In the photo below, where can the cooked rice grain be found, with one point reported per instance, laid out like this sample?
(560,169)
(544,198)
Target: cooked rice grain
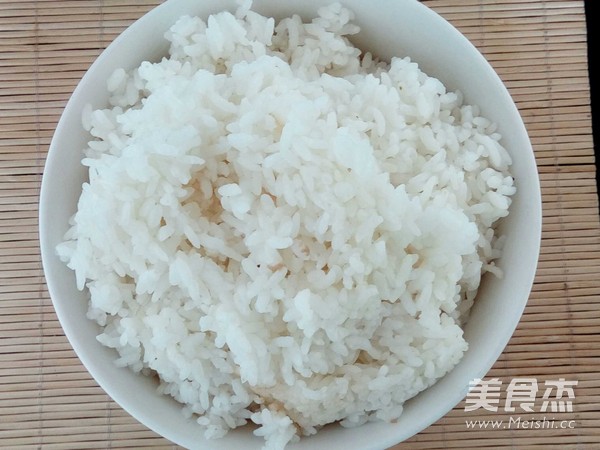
(285,230)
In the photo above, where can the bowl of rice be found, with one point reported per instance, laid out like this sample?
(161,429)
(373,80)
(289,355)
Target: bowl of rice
(300,224)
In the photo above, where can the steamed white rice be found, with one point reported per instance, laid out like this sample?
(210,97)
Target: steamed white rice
(283,229)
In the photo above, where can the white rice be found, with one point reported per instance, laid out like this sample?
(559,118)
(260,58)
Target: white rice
(286,231)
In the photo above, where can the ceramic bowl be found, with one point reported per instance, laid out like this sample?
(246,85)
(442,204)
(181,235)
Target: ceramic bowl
(389,28)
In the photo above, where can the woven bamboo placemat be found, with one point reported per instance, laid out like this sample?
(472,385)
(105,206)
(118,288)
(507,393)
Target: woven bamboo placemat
(49,401)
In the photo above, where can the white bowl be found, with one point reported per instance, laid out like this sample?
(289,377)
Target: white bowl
(389,28)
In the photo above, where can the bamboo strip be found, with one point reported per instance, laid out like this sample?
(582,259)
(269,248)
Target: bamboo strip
(20,246)
(42,331)
(85,425)
(61,436)
(580,328)
(575,290)
(569,223)
(27,349)
(498,7)
(551,258)
(492,442)
(67,409)
(23,298)
(152,441)
(61,363)
(527,340)
(17,310)
(566,172)
(565,286)
(570,302)
(137,439)
(590,261)
(77,9)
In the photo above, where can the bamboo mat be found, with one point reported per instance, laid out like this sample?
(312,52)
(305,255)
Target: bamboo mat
(49,401)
